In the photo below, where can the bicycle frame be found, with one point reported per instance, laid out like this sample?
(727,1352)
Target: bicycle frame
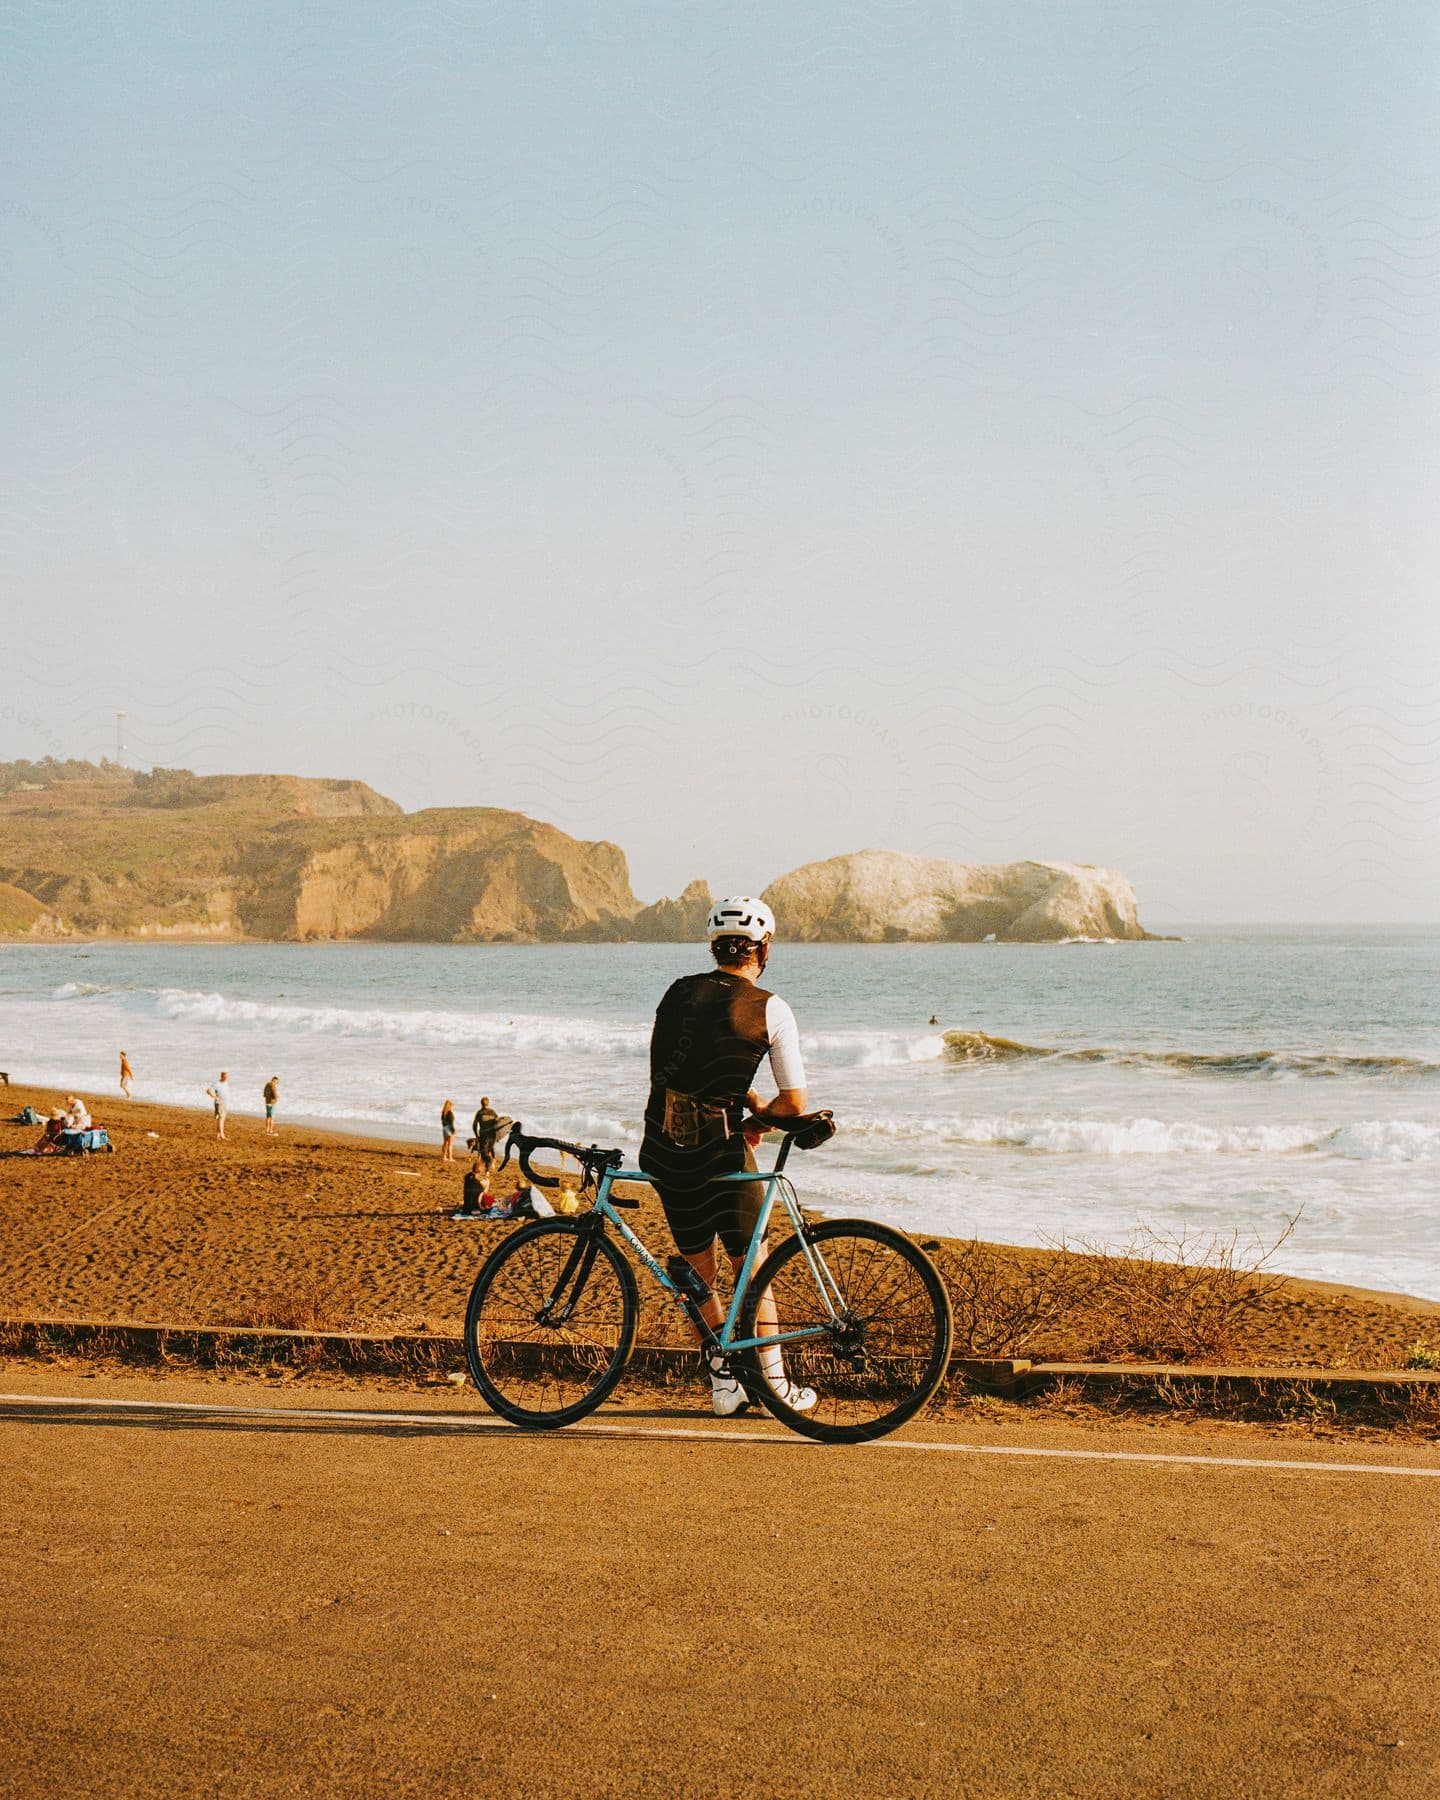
(725,1340)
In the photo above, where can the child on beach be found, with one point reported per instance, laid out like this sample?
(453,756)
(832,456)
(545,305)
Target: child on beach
(220,1094)
(272,1095)
(447,1132)
(127,1074)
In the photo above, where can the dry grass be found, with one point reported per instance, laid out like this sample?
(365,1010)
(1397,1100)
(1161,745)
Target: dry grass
(306,1302)
(1163,1298)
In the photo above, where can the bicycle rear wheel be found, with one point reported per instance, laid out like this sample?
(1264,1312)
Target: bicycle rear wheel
(550,1323)
(882,1325)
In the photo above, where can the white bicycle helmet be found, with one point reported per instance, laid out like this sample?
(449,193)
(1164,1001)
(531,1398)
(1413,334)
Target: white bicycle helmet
(741,916)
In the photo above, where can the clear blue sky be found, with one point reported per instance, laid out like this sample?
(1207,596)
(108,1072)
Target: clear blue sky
(748,433)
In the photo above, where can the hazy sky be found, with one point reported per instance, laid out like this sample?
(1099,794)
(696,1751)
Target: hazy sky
(746,432)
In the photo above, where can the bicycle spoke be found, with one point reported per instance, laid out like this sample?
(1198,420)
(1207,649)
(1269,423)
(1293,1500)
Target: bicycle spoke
(541,1371)
(875,1364)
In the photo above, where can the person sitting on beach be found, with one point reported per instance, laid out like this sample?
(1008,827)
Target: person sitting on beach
(447,1132)
(220,1094)
(473,1196)
(711,1033)
(49,1140)
(77,1114)
(483,1128)
(271,1097)
(127,1074)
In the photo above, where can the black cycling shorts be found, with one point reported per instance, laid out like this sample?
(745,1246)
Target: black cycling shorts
(699,1207)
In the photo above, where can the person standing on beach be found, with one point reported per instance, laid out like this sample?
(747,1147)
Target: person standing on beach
(447,1132)
(712,1031)
(127,1074)
(272,1094)
(482,1129)
(220,1094)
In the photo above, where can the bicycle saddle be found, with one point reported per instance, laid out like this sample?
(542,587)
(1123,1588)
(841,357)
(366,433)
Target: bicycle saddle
(805,1130)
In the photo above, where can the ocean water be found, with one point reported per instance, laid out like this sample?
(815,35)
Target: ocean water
(1227,1084)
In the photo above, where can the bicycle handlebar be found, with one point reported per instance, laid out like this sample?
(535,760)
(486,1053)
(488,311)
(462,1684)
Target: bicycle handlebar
(592,1159)
(804,1132)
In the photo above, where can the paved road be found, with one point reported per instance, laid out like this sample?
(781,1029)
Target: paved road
(255,1603)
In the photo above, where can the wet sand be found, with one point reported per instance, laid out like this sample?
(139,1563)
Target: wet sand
(317,1229)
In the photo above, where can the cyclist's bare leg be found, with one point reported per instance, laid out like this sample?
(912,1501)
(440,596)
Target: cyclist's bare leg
(706,1266)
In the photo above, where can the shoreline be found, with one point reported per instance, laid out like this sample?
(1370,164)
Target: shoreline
(337,1226)
(374,1135)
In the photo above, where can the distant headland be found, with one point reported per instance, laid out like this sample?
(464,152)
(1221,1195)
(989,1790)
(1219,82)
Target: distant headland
(99,850)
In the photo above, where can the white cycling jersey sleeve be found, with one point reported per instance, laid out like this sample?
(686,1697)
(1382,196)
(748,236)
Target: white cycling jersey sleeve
(786,1063)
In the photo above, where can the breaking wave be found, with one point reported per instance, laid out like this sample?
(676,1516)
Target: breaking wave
(444,1029)
(980,1047)
(441,1029)
(1366,1140)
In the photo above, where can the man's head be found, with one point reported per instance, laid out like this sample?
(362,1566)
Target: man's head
(224,1074)
(740,930)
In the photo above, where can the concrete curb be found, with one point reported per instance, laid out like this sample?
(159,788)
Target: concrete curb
(1013,1378)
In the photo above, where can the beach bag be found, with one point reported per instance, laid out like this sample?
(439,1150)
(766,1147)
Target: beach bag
(97,1138)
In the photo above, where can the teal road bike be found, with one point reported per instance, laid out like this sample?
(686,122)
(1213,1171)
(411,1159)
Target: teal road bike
(861,1314)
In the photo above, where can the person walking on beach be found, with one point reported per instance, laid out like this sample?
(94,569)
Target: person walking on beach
(712,1031)
(272,1095)
(127,1074)
(220,1094)
(482,1130)
(447,1132)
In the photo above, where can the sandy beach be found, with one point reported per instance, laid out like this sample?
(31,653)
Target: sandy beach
(323,1230)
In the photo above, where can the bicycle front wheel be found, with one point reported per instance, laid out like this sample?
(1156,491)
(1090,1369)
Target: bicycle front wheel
(550,1323)
(877,1327)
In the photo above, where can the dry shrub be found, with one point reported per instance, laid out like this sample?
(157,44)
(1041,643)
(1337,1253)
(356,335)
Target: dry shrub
(1173,1296)
(1002,1304)
(307,1302)
(1164,1297)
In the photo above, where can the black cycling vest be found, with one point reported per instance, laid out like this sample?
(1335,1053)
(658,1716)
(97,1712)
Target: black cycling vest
(709,1040)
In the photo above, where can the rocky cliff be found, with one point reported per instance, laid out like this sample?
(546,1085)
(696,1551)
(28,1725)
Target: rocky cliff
(679,921)
(879,896)
(279,857)
(101,851)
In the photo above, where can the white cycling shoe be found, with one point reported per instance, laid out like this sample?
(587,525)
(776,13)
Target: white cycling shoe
(791,1394)
(727,1397)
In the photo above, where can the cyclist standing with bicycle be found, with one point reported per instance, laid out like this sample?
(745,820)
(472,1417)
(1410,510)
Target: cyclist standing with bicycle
(712,1031)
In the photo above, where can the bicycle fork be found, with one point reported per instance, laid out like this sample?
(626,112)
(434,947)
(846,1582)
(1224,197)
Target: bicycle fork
(558,1310)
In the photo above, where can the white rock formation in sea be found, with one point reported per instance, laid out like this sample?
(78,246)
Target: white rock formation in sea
(882,896)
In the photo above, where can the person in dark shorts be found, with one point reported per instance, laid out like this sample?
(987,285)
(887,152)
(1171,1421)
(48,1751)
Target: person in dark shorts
(483,1128)
(712,1031)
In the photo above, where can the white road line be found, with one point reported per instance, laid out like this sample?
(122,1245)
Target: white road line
(700,1435)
